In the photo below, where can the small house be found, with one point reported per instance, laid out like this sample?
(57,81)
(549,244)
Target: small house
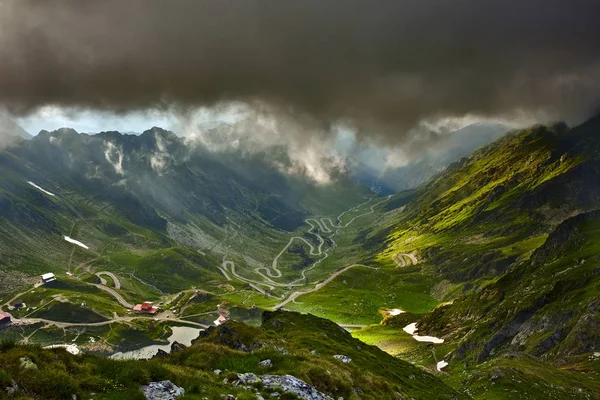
(146,307)
(5,318)
(221,320)
(49,277)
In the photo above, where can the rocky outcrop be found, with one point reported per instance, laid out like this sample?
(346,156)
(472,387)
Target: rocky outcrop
(164,390)
(285,383)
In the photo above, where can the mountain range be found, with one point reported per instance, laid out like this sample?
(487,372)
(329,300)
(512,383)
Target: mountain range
(493,261)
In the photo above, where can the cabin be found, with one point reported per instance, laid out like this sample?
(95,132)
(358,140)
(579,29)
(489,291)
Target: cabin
(146,307)
(49,277)
(5,318)
(221,320)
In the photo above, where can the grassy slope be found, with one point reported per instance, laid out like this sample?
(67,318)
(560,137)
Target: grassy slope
(477,226)
(285,338)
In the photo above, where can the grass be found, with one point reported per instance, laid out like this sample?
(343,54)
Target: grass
(287,339)
(393,341)
(356,296)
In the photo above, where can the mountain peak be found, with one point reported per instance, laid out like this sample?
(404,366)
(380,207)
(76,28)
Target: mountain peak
(155,130)
(59,132)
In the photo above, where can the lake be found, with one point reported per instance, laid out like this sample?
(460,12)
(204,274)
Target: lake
(181,334)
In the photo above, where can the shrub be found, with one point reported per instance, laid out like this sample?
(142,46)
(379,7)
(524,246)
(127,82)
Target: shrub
(4,378)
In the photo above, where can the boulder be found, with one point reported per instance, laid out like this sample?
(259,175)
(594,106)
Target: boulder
(265,363)
(26,363)
(164,390)
(342,358)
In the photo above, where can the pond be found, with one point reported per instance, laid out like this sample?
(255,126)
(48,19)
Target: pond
(181,334)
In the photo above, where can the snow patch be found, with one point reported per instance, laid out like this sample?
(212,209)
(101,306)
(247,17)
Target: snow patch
(428,339)
(41,189)
(440,365)
(411,329)
(395,311)
(77,242)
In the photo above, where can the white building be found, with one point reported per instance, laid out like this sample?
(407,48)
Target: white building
(49,277)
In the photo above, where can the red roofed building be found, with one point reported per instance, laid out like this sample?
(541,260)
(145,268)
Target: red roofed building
(145,308)
(5,318)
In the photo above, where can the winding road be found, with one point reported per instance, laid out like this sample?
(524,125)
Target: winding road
(112,276)
(316,226)
(114,294)
(400,259)
(295,295)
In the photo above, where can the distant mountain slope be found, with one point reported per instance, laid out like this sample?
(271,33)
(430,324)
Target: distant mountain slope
(473,219)
(449,148)
(510,233)
(124,193)
(10,130)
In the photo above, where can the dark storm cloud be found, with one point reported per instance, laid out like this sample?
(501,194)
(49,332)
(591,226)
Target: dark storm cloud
(377,65)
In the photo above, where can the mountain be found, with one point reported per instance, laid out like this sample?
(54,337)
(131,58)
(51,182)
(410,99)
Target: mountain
(447,149)
(509,236)
(485,276)
(10,131)
(127,196)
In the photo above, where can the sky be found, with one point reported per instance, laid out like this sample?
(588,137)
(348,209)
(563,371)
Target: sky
(391,72)
(51,118)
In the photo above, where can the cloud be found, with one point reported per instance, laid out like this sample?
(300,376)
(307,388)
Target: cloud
(379,67)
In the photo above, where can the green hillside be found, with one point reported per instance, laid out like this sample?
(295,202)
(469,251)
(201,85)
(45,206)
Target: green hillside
(508,236)
(299,345)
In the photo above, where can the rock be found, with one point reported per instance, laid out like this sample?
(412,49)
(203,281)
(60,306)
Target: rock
(242,347)
(176,347)
(217,371)
(265,363)
(164,390)
(13,388)
(291,384)
(275,394)
(160,354)
(248,378)
(342,358)
(26,363)
(314,352)
(228,397)
(497,373)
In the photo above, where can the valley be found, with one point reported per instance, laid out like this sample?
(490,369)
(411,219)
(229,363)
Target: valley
(239,282)
(465,277)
